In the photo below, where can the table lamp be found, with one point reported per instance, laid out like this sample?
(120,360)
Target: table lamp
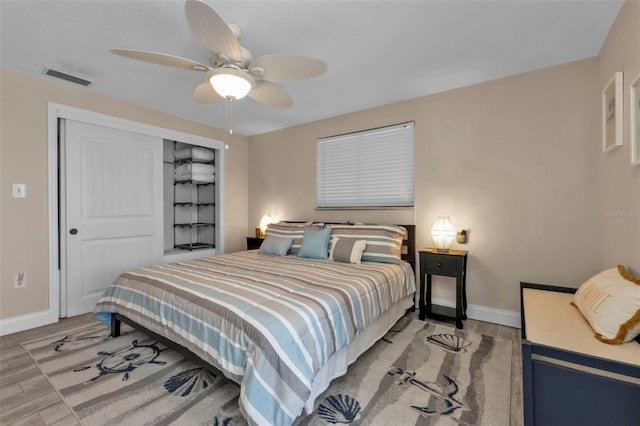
(264,222)
(443,233)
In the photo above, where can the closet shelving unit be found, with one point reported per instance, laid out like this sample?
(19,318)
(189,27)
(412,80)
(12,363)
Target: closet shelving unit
(194,211)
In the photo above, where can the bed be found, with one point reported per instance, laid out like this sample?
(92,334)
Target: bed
(280,326)
(570,377)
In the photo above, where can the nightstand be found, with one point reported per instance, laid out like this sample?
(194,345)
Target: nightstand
(449,264)
(254,243)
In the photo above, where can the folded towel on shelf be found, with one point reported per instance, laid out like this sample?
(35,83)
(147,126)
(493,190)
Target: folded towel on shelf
(197,168)
(195,153)
(195,178)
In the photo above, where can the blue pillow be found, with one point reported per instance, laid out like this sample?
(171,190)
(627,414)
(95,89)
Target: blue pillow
(315,244)
(275,245)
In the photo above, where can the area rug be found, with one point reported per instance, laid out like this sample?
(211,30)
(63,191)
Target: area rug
(420,373)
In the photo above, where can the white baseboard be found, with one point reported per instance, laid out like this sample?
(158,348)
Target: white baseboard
(25,322)
(483,313)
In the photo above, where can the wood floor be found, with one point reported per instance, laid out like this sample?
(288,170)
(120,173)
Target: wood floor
(27,398)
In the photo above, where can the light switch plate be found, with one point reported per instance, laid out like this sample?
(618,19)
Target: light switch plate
(19,190)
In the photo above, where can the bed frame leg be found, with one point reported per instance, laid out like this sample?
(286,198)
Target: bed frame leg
(115,325)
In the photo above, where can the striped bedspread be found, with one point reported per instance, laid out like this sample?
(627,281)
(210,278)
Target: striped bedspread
(268,322)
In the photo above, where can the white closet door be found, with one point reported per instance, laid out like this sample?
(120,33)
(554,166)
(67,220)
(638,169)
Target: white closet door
(114,215)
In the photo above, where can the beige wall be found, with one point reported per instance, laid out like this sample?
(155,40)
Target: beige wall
(510,160)
(23,159)
(517,161)
(618,184)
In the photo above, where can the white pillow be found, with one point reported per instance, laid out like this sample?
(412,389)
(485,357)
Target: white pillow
(347,251)
(610,302)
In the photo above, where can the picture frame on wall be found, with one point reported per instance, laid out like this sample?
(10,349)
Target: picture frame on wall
(612,113)
(635,120)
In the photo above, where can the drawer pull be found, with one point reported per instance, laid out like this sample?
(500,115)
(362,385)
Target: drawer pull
(439,264)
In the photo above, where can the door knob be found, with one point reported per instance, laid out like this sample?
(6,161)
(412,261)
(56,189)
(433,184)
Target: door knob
(73,231)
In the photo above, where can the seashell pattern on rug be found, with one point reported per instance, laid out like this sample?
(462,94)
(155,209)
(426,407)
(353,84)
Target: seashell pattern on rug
(339,409)
(450,342)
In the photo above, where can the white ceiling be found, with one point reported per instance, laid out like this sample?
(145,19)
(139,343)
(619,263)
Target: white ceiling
(377,52)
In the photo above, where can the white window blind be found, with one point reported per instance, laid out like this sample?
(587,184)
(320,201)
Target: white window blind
(372,168)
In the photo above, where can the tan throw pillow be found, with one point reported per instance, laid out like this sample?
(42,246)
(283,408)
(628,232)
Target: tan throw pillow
(347,251)
(610,302)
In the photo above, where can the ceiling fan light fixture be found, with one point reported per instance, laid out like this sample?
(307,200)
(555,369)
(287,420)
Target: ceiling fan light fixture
(230,82)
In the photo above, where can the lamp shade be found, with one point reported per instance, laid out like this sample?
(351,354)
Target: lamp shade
(230,83)
(443,233)
(265,221)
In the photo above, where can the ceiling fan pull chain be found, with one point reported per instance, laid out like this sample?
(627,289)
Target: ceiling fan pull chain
(229,114)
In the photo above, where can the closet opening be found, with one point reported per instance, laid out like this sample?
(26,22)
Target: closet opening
(189,177)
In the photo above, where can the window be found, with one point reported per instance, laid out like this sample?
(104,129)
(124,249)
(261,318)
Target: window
(372,168)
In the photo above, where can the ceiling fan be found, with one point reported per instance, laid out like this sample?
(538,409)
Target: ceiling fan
(232,72)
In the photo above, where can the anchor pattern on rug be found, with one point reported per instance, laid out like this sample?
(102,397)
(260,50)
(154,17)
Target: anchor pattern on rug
(190,381)
(339,409)
(450,342)
(126,360)
(445,394)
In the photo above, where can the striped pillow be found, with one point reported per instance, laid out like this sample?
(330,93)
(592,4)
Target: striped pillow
(347,251)
(384,242)
(295,231)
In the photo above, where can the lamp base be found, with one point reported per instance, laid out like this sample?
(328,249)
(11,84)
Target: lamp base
(439,250)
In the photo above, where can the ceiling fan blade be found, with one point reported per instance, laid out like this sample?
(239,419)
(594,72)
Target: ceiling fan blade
(270,94)
(280,68)
(211,31)
(161,59)
(205,93)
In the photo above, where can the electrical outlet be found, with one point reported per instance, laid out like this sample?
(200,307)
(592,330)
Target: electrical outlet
(21,281)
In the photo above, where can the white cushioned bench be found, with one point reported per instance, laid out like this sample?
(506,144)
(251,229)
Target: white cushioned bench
(570,377)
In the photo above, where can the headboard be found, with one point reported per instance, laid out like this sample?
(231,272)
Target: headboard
(408,253)
(408,250)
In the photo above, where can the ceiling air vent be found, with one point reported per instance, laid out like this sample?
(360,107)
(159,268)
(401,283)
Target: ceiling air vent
(68,77)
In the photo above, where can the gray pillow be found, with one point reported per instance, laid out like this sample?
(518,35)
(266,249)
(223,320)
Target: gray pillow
(275,245)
